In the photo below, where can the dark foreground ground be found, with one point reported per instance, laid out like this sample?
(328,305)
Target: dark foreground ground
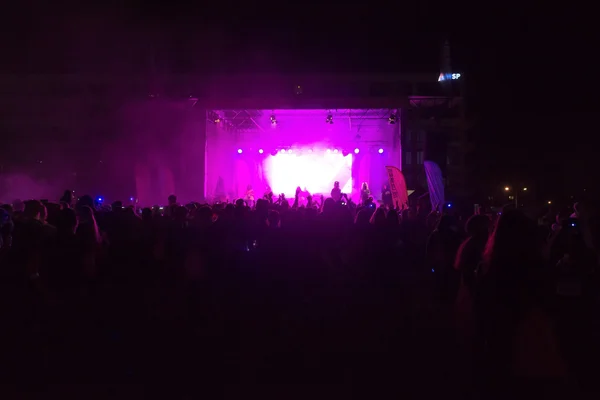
(313,334)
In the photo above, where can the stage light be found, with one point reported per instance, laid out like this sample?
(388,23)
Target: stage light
(290,151)
(260,151)
(282,151)
(380,151)
(131,199)
(329,119)
(239,151)
(392,119)
(309,151)
(356,151)
(273,119)
(335,151)
(214,117)
(99,199)
(328,151)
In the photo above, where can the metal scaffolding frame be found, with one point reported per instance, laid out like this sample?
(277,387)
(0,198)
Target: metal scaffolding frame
(247,120)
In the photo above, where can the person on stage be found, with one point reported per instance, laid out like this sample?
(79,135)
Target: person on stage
(249,198)
(268,194)
(386,197)
(365,193)
(336,192)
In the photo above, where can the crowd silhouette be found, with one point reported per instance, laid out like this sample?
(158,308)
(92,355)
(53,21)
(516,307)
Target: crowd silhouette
(366,299)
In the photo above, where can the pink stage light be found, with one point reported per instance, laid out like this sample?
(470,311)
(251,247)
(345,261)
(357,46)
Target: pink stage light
(260,151)
(316,172)
(282,151)
(380,151)
(356,151)
(310,150)
(290,151)
(335,151)
(239,151)
(328,151)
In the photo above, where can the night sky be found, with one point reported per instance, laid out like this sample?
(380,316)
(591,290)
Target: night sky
(530,72)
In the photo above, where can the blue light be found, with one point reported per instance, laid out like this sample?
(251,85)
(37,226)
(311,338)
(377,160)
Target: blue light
(131,199)
(449,205)
(99,199)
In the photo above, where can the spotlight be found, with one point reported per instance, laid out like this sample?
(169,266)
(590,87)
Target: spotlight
(239,151)
(335,151)
(392,119)
(328,151)
(356,150)
(290,151)
(214,117)
(282,151)
(273,119)
(380,151)
(260,151)
(329,119)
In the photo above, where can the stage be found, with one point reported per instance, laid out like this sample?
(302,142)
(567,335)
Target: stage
(308,148)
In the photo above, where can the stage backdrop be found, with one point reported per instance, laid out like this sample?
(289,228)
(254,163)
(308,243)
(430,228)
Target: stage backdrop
(300,150)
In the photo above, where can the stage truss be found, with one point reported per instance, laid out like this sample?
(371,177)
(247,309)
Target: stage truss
(248,121)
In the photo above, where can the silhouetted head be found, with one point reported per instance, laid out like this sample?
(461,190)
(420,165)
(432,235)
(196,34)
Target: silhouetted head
(34,209)
(514,242)
(67,197)
(378,217)
(478,225)
(18,206)
(447,223)
(67,221)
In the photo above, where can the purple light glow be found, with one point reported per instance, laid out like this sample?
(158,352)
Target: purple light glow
(316,172)
(320,154)
(239,151)
(380,151)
